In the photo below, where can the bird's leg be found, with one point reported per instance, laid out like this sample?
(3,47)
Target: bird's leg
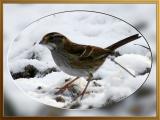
(62,89)
(84,91)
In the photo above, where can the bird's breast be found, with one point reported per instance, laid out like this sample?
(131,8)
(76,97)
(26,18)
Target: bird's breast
(64,63)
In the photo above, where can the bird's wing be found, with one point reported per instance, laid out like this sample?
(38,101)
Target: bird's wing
(87,52)
(74,49)
(94,53)
(85,56)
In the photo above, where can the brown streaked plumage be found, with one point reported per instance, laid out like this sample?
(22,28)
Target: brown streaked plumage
(79,60)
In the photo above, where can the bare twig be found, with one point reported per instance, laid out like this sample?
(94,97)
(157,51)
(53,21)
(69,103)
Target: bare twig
(123,67)
(142,46)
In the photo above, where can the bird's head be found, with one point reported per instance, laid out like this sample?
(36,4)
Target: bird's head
(53,40)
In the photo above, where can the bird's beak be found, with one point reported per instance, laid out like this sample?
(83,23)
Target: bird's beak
(42,42)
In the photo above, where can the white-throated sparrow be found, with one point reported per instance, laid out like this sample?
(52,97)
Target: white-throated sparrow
(79,60)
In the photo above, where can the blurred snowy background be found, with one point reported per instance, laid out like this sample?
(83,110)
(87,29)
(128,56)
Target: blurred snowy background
(25,14)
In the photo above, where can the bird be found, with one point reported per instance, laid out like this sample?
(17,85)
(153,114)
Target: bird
(79,60)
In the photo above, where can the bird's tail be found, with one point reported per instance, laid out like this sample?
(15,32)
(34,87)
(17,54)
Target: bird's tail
(123,42)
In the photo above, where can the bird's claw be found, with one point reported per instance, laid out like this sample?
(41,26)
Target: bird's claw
(81,95)
(66,86)
(61,90)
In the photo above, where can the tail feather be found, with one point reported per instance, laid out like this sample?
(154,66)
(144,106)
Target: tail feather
(123,42)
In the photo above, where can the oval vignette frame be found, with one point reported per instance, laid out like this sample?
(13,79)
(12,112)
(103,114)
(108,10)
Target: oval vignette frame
(91,12)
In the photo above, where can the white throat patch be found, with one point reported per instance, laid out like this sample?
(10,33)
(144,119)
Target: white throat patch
(51,46)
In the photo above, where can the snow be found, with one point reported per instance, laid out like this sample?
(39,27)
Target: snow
(83,28)
(138,63)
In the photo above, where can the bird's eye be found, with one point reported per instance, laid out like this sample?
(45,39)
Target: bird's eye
(57,39)
(50,38)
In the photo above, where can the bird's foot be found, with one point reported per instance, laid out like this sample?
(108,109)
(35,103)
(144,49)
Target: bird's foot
(66,86)
(81,95)
(62,89)
(84,91)
(77,98)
